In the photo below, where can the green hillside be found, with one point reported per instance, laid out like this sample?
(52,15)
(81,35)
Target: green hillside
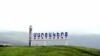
(49,51)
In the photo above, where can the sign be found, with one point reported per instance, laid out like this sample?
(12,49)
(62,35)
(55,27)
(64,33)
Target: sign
(50,36)
(46,36)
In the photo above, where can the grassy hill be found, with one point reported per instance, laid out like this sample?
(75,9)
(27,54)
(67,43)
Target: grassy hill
(49,51)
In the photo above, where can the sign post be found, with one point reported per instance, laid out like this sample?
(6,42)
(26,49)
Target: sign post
(30,35)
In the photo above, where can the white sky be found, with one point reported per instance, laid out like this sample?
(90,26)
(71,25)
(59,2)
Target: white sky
(77,16)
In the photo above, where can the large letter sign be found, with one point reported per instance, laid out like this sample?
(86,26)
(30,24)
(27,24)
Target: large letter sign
(46,37)
(50,36)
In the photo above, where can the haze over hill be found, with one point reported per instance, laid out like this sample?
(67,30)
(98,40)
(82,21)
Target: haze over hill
(78,16)
(21,38)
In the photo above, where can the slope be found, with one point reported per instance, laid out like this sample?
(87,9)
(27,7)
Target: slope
(49,51)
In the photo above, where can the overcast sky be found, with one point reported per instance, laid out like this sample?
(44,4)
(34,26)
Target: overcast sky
(76,16)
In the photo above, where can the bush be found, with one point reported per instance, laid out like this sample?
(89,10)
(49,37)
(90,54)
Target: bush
(1,45)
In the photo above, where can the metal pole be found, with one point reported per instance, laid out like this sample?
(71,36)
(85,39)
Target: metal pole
(30,35)
(44,42)
(66,42)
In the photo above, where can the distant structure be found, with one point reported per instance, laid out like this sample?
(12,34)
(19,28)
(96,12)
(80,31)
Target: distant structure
(30,35)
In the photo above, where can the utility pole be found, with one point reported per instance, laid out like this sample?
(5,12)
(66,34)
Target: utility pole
(30,35)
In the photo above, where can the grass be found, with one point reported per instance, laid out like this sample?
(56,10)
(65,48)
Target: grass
(49,51)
